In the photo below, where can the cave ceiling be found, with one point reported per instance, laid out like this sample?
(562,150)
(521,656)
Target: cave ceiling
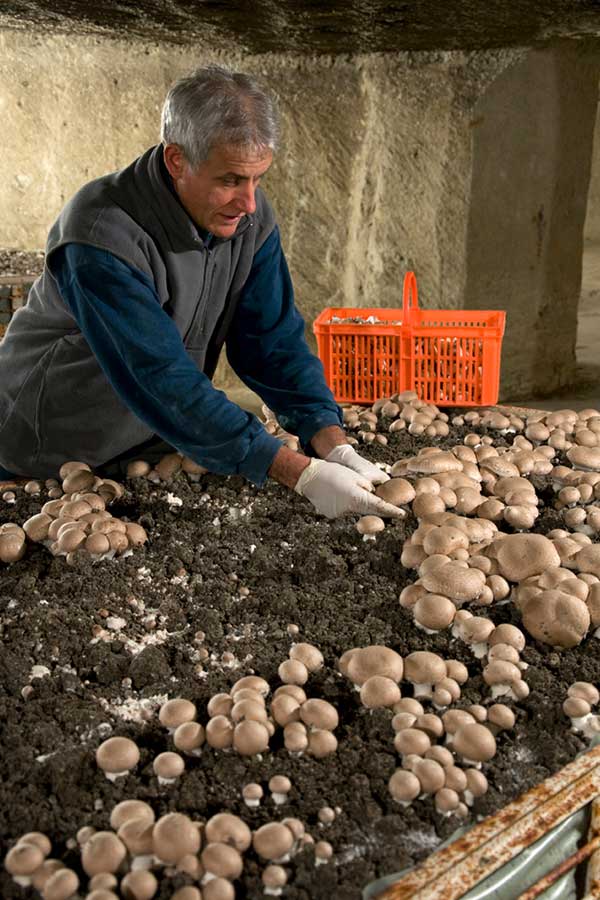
(314,27)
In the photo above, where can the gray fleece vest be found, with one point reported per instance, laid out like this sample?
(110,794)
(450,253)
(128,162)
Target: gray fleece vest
(55,402)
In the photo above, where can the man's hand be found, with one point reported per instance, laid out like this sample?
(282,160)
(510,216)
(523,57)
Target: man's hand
(335,490)
(345,455)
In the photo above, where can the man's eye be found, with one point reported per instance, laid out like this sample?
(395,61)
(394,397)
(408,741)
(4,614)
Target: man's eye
(231,182)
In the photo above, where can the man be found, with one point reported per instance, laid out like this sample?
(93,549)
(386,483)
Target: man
(149,272)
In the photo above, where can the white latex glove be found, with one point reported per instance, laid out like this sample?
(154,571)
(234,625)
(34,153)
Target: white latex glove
(345,455)
(335,490)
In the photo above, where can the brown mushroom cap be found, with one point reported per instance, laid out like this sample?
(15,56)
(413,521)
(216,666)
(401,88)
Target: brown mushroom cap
(374,660)
(24,858)
(321,743)
(507,634)
(254,683)
(292,671)
(117,755)
(397,491)
(139,885)
(319,714)
(61,885)
(522,555)
(219,732)
(501,715)
(130,809)
(250,737)
(412,740)
(136,834)
(225,828)
(370,525)
(189,892)
(222,860)
(556,618)
(454,581)
(474,742)
(423,667)
(104,852)
(274,877)
(285,709)
(295,737)
(434,612)
(174,836)
(273,840)
(309,655)
(168,766)
(431,775)
(584,690)
(379,692)
(189,737)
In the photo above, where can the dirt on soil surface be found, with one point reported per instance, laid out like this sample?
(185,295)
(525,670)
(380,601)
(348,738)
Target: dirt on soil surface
(21,262)
(207,541)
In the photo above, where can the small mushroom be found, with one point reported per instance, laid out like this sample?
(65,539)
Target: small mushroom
(252,794)
(117,756)
(404,787)
(139,885)
(310,656)
(61,885)
(168,767)
(175,836)
(274,879)
(273,841)
(475,743)
(222,861)
(225,828)
(104,852)
(379,692)
(280,786)
(369,526)
(250,737)
(189,737)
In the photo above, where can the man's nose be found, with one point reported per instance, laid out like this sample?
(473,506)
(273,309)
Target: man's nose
(246,198)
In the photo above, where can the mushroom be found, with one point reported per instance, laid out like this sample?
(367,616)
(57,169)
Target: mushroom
(369,526)
(175,836)
(168,767)
(310,656)
(117,756)
(12,543)
(225,828)
(139,885)
(475,743)
(104,852)
(397,491)
(189,892)
(477,785)
(129,809)
(222,861)
(430,774)
(321,743)
(295,737)
(374,660)
(250,737)
(273,841)
(136,834)
(454,581)
(319,714)
(280,786)
(23,860)
(446,801)
(404,787)
(189,738)
(424,669)
(433,612)
(219,732)
(252,794)
(323,852)
(378,691)
(216,889)
(556,618)
(522,555)
(412,740)
(292,671)
(274,879)
(61,885)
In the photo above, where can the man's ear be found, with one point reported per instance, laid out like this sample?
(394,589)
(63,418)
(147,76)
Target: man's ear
(174,160)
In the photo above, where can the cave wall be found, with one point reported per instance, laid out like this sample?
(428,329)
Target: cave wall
(592,222)
(386,163)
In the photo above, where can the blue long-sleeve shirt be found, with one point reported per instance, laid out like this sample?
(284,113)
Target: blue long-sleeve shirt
(166,390)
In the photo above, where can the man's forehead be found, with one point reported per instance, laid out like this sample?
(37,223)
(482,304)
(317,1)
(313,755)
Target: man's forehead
(233,158)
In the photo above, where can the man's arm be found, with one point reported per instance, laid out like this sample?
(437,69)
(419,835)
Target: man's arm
(143,357)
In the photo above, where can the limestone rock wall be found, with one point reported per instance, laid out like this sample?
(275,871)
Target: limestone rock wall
(389,162)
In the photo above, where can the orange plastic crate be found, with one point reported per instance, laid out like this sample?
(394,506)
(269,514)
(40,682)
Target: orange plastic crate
(449,357)
(361,362)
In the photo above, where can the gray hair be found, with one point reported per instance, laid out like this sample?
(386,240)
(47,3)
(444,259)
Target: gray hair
(214,106)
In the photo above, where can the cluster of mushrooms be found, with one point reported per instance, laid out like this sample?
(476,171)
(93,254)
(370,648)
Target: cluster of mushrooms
(74,520)
(210,853)
(429,768)
(475,504)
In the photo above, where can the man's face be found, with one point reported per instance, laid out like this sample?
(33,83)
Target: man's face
(221,189)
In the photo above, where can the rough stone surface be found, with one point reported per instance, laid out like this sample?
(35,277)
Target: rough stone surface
(314,26)
(469,167)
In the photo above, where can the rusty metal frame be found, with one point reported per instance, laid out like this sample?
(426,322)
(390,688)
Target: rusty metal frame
(450,873)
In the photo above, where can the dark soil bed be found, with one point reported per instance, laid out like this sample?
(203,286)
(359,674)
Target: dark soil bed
(299,568)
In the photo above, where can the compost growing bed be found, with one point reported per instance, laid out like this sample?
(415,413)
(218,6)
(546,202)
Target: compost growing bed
(207,540)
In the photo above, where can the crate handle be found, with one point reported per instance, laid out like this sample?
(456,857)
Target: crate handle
(410,295)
